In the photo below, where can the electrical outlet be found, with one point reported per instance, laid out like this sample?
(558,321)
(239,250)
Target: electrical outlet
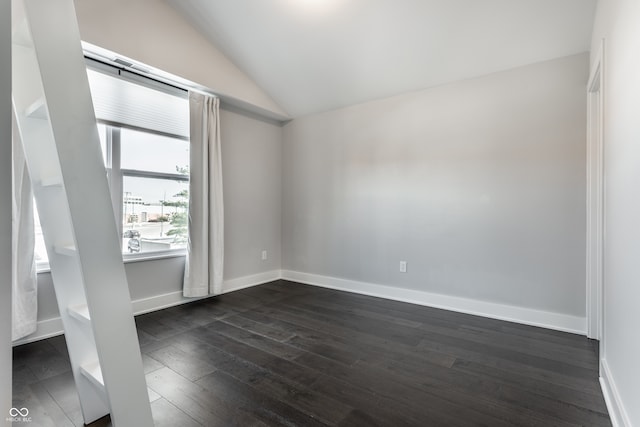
(264,255)
(403,266)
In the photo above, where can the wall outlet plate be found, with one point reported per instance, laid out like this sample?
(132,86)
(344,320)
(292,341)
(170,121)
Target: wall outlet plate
(403,266)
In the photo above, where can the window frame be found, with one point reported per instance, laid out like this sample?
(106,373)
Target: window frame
(113,160)
(116,175)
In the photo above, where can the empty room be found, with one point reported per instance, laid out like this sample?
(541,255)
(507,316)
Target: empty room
(319,213)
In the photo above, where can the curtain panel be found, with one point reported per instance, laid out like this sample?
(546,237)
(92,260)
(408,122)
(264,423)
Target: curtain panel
(205,247)
(24,280)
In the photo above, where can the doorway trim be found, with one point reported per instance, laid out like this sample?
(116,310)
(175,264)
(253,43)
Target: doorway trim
(595,199)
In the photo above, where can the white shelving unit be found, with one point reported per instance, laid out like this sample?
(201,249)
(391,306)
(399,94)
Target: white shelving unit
(57,125)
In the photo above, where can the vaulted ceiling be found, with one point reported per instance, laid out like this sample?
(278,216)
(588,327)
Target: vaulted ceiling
(317,55)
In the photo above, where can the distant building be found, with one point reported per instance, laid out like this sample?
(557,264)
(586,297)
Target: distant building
(133,200)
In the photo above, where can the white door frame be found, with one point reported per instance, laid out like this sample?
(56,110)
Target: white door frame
(595,199)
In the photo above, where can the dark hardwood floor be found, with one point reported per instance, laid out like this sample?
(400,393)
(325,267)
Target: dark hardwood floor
(286,354)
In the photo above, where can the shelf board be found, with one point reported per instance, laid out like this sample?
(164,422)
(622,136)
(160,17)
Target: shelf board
(51,181)
(80,312)
(37,110)
(68,249)
(93,373)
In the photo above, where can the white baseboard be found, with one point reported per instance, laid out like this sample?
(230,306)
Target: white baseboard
(562,322)
(158,302)
(249,281)
(545,319)
(46,329)
(52,327)
(617,412)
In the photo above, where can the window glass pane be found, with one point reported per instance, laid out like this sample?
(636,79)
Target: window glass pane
(40,248)
(153,153)
(102,132)
(154,214)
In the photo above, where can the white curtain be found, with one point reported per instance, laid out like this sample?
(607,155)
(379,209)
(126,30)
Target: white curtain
(205,248)
(24,294)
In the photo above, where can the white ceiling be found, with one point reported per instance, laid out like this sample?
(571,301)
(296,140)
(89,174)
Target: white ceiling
(317,55)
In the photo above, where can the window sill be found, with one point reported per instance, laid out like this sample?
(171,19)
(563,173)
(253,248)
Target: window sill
(43,267)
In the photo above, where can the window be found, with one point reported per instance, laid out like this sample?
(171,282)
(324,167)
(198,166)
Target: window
(155,191)
(143,127)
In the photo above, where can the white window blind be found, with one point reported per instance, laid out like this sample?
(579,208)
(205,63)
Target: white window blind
(118,101)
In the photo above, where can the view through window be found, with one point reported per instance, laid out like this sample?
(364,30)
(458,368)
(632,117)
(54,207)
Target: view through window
(155,172)
(146,160)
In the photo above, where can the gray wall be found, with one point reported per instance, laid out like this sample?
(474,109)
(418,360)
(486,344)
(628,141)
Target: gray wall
(251,151)
(5,209)
(252,170)
(617,23)
(478,185)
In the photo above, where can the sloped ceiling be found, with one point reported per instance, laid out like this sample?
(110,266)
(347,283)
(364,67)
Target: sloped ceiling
(152,33)
(317,55)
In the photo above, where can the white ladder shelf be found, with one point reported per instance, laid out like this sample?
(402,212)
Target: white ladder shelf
(57,125)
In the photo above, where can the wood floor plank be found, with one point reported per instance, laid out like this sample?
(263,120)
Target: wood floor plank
(286,354)
(282,367)
(258,328)
(530,352)
(264,380)
(197,402)
(62,388)
(364,346)
(497,350)
(583,355)
(33,355)
(386,411)
(43,409)
(277,348)
(289,349)
(417,371)
(550,390)
(588,383)
(437,400)
(358,418)
(354,322)
(263,406)
(149,364)
(22,376)
(433,315)
(182,363)
(166,414)
(158,326)
(545,335)
(494,396)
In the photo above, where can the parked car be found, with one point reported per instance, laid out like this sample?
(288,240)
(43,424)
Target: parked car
(131,234)
(133,245)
